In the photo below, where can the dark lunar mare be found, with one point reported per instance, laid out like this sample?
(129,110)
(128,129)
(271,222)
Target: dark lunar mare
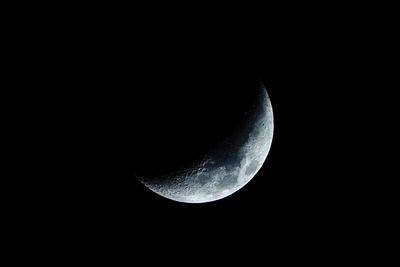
(226,155)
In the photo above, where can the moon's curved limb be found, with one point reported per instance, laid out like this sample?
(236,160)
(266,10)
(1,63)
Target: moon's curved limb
(218,174)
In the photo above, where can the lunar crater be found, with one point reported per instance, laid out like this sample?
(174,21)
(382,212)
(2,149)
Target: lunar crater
(228,167)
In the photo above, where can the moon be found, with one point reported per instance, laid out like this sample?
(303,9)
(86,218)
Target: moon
(227,167)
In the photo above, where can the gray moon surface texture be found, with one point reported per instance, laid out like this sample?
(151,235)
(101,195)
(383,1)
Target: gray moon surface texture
(226,168)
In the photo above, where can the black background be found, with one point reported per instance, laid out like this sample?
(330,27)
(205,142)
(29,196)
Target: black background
(110,75)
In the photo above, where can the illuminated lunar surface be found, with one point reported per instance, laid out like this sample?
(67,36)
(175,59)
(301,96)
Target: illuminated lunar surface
(226,168)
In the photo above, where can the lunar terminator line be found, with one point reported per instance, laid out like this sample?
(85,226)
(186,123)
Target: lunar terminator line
(226,168)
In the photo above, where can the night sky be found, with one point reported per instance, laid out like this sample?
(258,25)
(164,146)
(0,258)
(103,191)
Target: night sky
(121,81)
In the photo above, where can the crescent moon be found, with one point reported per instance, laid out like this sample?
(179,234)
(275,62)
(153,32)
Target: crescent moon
(229,166)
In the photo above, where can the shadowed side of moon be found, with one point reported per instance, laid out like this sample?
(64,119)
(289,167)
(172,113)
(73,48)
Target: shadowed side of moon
(228,166)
